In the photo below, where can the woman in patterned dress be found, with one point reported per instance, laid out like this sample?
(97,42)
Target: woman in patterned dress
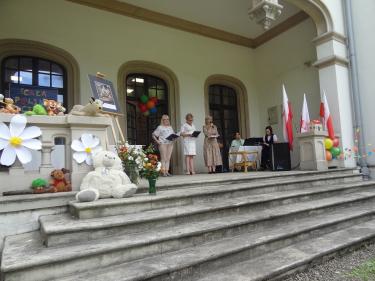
(211,150)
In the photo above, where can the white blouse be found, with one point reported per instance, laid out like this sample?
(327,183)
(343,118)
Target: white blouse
(187,129)
(162,132)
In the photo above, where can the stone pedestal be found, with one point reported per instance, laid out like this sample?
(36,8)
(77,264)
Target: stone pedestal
(312,150)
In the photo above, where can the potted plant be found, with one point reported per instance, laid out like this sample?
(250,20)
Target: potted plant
(132,157)
(151,169)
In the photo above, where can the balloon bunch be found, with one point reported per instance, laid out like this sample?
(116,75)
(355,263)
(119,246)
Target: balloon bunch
(147,105)
(333,150)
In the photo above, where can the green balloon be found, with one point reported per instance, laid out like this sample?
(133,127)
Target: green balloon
(144,98)
(335,151)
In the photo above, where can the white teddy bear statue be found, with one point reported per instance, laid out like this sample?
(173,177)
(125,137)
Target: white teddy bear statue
(107,180)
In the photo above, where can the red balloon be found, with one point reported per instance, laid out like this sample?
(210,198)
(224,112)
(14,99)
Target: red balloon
(336,142)
(154,100)
(150,104)
(328,155)
(142,107)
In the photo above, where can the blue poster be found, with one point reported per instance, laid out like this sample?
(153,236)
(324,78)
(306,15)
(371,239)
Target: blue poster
(26,96)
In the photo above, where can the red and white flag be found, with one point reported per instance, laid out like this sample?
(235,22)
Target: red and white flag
(327,118)
(305,117)
(287,120)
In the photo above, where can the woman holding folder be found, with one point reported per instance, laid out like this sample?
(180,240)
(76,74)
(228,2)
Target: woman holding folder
(164,136)
(211,149)
(190,135)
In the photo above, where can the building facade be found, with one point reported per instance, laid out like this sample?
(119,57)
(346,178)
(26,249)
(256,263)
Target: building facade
(181,55)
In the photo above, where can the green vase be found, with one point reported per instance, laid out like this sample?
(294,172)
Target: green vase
(131,169)
(152,186)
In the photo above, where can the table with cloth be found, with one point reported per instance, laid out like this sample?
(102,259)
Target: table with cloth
(244,157)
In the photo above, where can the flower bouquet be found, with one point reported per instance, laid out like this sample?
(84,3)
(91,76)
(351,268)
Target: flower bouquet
(151,168)
(132,157)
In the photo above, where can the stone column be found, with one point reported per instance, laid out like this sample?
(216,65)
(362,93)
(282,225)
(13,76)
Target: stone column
(334,81)
(312,151)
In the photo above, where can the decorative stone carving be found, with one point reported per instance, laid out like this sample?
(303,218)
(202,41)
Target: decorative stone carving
(265,11)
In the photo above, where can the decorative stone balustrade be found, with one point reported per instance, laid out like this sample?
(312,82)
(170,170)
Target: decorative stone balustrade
(69,127)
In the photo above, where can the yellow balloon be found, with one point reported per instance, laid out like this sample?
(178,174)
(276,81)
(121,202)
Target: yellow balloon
(328,143)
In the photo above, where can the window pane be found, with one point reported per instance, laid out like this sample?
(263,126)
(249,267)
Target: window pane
(151,93)
(130,92)
(44,80)
(57,81)
(26,64)
(11,63)
(11,76)
(151,82)
(56,69)
(44,66)
(130,81)
(161,85)
(26,78)
(161,95)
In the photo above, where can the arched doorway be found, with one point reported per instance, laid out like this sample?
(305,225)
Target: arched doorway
(223,109)
(140,125)
(172,89)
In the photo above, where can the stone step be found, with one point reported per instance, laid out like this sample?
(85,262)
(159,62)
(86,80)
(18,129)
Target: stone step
(240,258)
(279,264)
(25,256)
(61,229)
(203,180)
(181,197)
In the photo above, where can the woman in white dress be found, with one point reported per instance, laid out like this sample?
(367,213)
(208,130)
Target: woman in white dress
(165,146)
(189,143)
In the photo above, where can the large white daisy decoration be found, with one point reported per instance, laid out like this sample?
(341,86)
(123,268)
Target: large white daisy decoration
(17,140)
(85,148)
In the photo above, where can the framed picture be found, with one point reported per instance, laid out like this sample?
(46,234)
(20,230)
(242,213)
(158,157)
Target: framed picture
(272,115)
(103,90)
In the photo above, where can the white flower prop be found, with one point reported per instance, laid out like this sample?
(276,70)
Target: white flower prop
(85,148)
(17,140)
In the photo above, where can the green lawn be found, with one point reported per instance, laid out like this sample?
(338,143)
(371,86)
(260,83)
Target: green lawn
(364,272)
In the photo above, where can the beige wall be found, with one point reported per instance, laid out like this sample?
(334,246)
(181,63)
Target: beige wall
(364,26)
(285,60)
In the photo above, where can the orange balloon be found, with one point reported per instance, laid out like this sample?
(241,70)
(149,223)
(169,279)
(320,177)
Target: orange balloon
(150,104)
(328,155)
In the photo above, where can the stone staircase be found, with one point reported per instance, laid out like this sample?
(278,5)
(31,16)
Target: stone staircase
(262,227)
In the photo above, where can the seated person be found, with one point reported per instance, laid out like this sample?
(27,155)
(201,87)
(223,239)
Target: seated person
(268,140)
(234,146)
(237,142)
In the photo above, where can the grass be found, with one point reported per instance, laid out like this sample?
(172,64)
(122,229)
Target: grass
(364,272)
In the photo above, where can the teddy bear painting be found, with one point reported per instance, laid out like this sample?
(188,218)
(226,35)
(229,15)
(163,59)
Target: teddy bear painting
(107,180)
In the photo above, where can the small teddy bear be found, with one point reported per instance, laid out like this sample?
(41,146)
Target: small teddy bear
(10,107)
(51,107)
(59,183)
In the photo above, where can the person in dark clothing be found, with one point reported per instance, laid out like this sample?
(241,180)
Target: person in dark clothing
(268,140)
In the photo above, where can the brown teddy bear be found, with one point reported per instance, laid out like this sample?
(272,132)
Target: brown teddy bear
(53,107)
(9,106)
(59,183)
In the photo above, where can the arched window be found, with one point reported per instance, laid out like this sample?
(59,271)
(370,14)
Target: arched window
(26,70)
(140,125)
(224,111)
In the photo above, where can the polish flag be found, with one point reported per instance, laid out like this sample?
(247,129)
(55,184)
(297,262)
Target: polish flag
(327,118)
(287,120)
(305,117)
(321,111)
